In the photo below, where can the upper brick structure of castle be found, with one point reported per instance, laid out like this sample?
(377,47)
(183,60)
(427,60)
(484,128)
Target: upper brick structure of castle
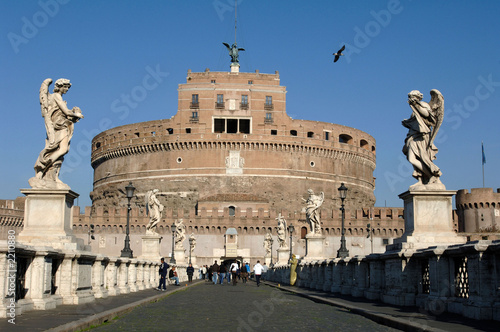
(231,136)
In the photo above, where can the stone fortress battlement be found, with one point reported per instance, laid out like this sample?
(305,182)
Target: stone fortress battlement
(386,221)
(479,210)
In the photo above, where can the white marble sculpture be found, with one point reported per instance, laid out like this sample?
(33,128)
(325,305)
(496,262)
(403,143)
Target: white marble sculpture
(267,243)
(282,231)
(192,242)
(59,125)
(419,148)
(313,203)
(180,234)
(154,208)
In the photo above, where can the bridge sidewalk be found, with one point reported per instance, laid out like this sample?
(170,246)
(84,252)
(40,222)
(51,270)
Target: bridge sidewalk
(404,318)
(78,317)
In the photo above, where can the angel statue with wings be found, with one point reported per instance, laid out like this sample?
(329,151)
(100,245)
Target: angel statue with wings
(154,208)
(282,231)
(233,51)
(313,203)
(423,126)
(180,233)
(59,124)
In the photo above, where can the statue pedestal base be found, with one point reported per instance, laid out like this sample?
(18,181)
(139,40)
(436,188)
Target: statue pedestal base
(48,219)
(315,244)
(267,260)
(428,220)
(283,256)
(235,67)
(151,247)
(180,256)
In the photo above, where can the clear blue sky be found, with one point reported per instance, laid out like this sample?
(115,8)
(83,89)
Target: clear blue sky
(106,48)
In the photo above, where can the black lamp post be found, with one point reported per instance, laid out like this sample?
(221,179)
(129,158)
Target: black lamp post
(127,252)
(172,258)
(190,248)
(271,243)
(290,231)
(342,252)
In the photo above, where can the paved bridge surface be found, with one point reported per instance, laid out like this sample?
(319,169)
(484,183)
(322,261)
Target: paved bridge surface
(202,306)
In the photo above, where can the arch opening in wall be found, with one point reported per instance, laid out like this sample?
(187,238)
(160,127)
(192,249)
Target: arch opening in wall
(310,134)
(303,232)
(364,144)
(170,131)
(344,138)
(293,132)
(232,211)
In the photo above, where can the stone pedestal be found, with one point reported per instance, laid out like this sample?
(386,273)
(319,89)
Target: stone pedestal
(235,67)
(283,256)
(267,260)
(48,219)
(315,247)
(180,256)
(151,247)
(428,220)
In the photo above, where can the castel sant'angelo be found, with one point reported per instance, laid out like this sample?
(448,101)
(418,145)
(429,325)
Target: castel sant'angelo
(232,143)
(231,157)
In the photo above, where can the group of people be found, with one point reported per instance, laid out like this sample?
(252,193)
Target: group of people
(232,272)
(215,273)
(172,275)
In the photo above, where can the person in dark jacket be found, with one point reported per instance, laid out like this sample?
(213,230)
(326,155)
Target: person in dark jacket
(215,272)
(190,272)
(163,275)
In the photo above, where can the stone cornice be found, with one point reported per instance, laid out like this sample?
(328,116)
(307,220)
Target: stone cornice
(325,152)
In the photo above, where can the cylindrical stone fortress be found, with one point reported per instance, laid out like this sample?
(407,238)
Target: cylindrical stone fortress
(232,138)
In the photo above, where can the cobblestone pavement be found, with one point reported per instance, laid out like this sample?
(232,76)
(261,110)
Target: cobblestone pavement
(244,307)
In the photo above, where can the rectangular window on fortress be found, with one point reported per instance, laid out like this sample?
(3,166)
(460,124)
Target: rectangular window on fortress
(244,99)
(244,126)
(327,135)
(269,100)
(194,101)
(232,126)
(219,125)
(220,99)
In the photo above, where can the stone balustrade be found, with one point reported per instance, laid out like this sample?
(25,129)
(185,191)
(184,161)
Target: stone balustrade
(462,279)
(41,278)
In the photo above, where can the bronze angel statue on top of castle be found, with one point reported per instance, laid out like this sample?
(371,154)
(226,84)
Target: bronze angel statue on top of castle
(233,51)
(423,126)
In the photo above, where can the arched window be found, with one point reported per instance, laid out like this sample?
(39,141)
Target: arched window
(293,132)
(232,211)
(303,232)
(343,138)
(364,144)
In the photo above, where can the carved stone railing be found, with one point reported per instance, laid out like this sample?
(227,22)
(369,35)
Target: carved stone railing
(40,278)
(462,279)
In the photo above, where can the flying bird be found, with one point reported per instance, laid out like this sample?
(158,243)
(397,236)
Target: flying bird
(338,54)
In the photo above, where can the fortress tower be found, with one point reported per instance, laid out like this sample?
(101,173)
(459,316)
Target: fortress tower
(232,144)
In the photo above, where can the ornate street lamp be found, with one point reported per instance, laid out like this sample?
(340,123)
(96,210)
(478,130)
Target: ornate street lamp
(342,252)
(191,244)
(271,243)
(290,231)
(172,258)
(127,252)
